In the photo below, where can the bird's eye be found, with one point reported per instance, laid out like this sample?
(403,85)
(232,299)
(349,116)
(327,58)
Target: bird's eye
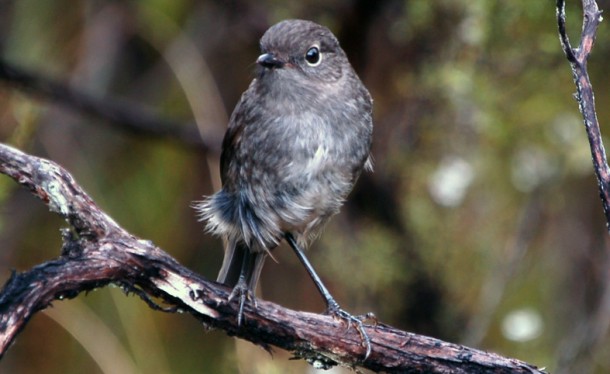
(313,56)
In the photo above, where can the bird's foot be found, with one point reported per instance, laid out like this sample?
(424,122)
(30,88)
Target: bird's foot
(336,311)
(243,293)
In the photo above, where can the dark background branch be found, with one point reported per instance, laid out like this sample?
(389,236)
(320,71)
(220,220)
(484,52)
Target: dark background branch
(124,115)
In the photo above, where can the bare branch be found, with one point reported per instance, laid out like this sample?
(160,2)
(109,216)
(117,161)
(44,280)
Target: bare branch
(578,57)
(97,252)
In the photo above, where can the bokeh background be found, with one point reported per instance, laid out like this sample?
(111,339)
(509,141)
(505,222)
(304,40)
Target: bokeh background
(481,224)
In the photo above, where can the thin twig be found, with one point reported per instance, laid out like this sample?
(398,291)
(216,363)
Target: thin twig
(563,35)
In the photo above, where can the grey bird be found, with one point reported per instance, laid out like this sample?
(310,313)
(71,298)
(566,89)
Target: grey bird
(296,143)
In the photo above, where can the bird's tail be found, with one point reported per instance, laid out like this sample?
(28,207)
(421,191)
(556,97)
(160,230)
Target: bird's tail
(239,259)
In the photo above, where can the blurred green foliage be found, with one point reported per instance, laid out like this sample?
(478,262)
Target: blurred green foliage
(481,224)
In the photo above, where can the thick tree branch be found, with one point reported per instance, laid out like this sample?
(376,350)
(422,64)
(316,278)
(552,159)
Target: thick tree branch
(97,252)
(117,113)
(578,57)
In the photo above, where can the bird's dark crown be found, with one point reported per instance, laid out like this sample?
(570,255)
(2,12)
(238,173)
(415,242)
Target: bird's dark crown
(293,37)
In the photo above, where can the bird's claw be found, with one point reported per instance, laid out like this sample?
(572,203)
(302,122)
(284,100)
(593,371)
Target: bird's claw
(335,310)
(244,294)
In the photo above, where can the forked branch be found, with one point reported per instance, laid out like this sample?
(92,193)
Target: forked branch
(577,58)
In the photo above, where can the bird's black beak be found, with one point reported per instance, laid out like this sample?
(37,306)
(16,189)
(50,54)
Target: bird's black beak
(269,60)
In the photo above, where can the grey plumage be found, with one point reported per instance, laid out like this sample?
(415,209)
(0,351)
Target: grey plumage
(296,143)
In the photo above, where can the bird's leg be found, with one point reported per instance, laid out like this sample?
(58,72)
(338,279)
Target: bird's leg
(332,307)
(242,288)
